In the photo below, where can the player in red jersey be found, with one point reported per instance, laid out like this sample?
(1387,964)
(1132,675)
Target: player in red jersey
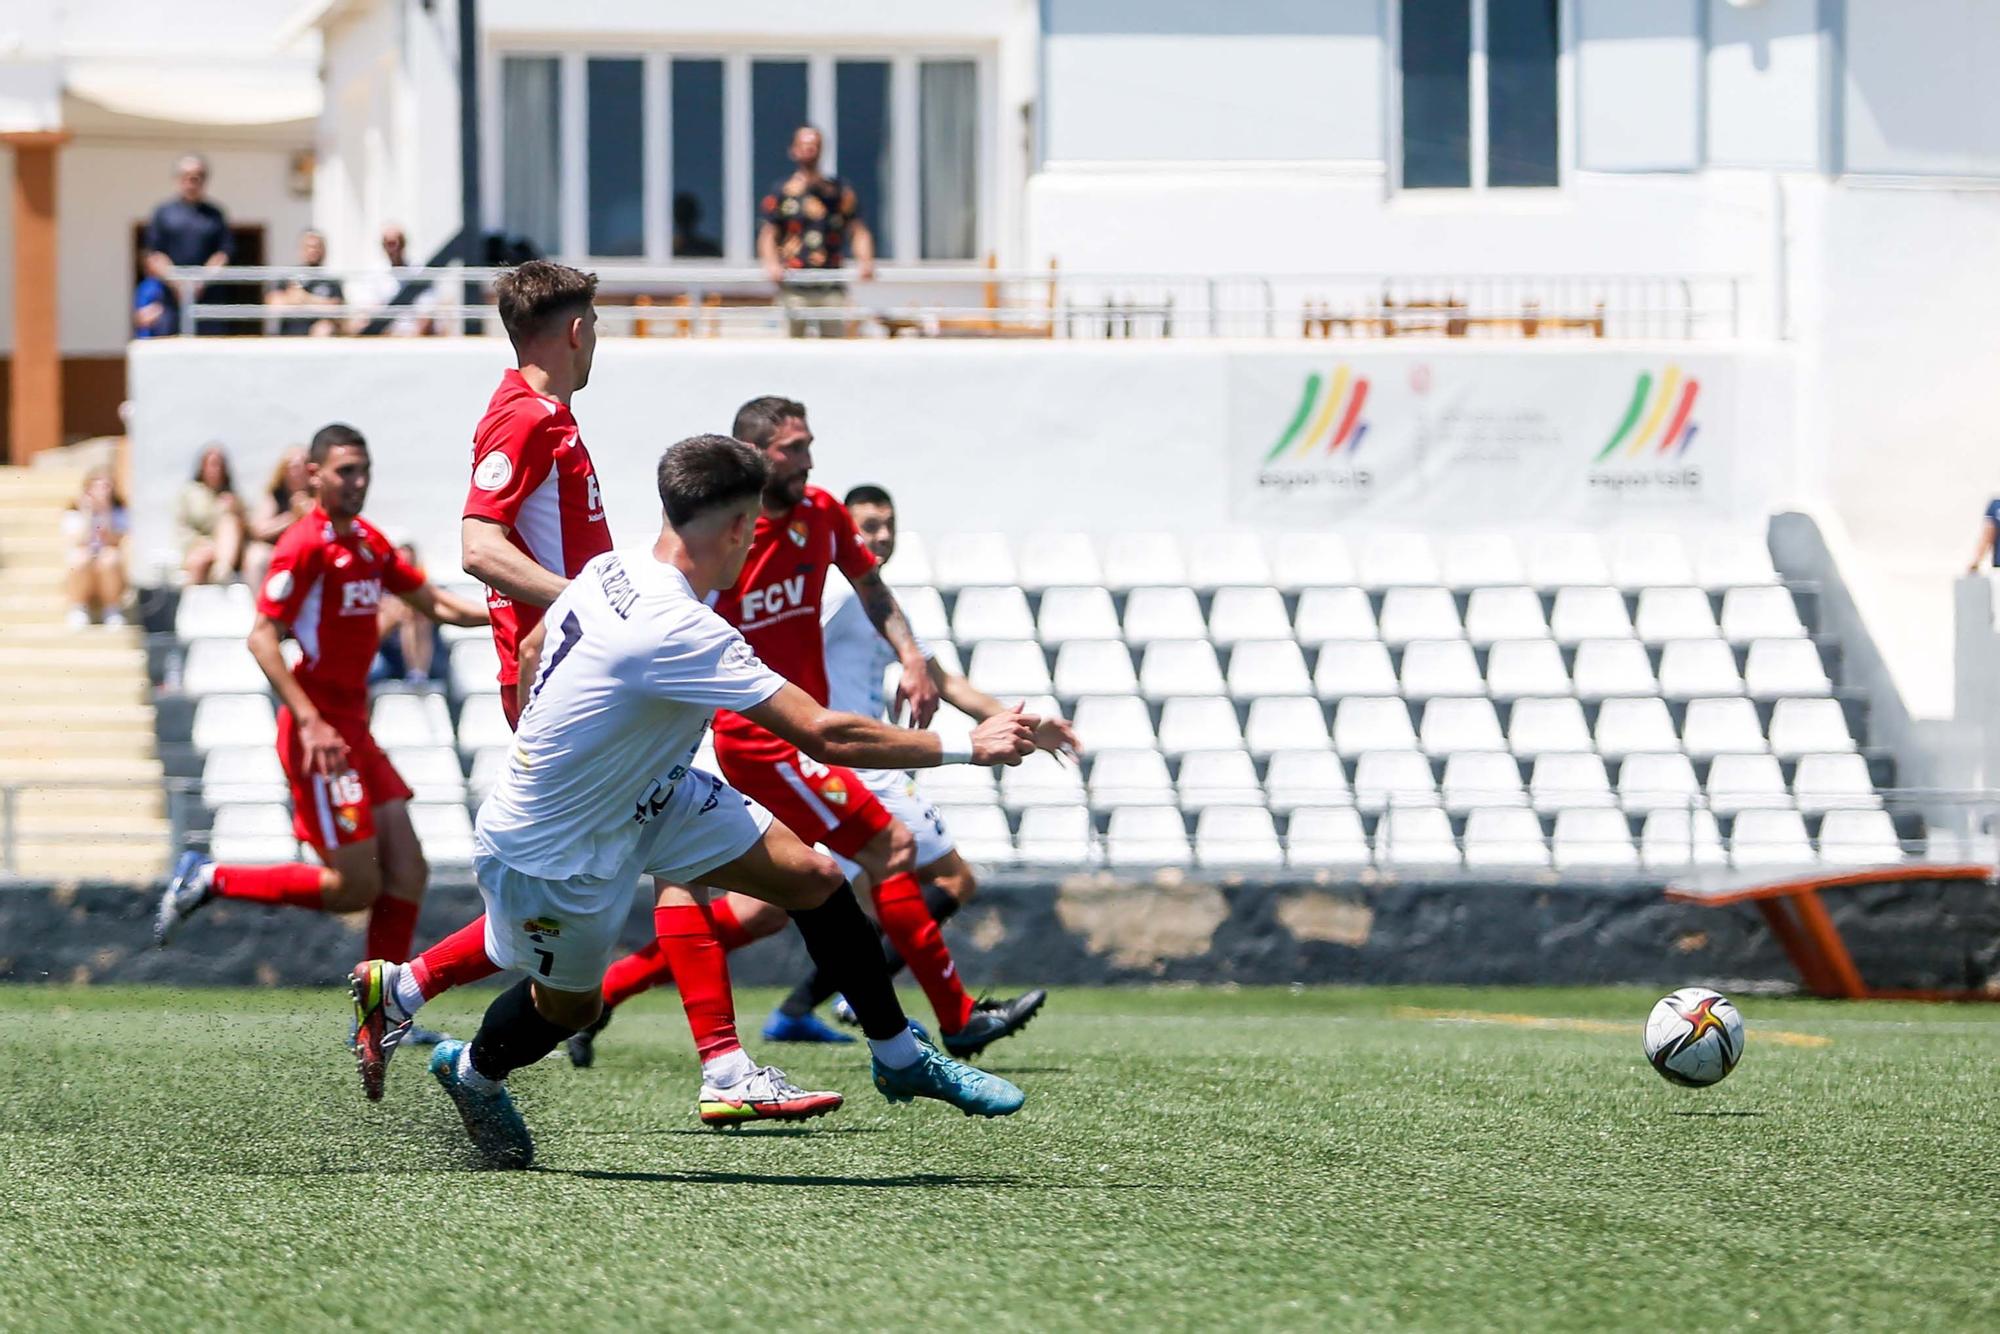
(327,577)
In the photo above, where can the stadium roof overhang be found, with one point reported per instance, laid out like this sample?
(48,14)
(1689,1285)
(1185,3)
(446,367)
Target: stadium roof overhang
(198,93)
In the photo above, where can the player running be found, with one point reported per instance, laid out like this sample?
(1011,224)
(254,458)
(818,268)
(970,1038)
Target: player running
(326,580)
(626,672)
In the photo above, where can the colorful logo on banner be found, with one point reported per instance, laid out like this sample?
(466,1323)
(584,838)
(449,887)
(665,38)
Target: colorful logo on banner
(1324,423)
(1670,405)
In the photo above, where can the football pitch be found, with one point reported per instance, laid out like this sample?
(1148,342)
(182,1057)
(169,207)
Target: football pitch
(1302,1159)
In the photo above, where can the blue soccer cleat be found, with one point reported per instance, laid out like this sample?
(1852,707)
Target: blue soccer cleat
(490,1117)
(183,897)
(782,1027)
(935,1075)
(846,1015)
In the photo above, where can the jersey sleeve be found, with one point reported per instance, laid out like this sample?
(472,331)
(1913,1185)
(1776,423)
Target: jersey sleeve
(295,564)
(850,557)
(402,576)
(509,471)
(707,663)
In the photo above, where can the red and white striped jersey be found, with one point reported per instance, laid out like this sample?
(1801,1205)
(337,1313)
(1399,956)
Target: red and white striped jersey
(326,587)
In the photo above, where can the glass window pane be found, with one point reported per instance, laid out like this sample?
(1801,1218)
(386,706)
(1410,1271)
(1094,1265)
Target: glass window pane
(697,183)
(1521,46)
(530,150)
(948,158)
(617,162)
(861,133)
(777,109)
(1437,98)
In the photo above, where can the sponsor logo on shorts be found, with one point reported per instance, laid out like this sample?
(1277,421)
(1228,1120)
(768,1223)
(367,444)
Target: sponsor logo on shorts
(539,928)
(494,471)
(833,790)
(652,801)
(348,818)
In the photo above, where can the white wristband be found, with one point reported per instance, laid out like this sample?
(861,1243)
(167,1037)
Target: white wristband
(954,752)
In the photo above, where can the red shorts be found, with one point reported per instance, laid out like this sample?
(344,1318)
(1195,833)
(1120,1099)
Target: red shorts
(821,803)
(332,812)
(510,704)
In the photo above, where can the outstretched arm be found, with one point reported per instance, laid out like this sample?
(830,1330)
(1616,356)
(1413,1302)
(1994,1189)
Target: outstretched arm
(917,688)
(865,743)
(441,606)
(1054,735)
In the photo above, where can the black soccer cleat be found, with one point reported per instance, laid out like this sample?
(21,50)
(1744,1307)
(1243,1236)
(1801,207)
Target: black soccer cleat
(992,1020)
(582,1045)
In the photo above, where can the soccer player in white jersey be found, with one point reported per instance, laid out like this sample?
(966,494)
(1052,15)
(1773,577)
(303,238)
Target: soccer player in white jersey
(621,679)
(857,659)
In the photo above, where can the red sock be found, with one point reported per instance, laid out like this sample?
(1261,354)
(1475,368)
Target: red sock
(294,885)
(701,970)
(392,925)
(641,970)
(728,928)
(907,921)
(457,959)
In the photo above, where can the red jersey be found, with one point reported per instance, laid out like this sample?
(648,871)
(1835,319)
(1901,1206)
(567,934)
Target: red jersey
(775,602)
(325,588)
(531,472)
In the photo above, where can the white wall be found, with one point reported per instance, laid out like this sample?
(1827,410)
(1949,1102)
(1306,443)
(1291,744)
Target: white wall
(1638,101)
(1766,65)
(1920,95)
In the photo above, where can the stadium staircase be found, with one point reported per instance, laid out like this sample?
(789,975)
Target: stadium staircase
(76,722)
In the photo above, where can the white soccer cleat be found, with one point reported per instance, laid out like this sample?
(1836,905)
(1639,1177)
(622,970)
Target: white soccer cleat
(765,1094)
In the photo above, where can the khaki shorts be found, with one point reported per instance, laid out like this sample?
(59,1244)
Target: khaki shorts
(798,301)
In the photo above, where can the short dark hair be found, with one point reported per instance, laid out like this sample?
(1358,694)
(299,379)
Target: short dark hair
(338,435)
(706,472)
(534,294)
(868,494)
(757,421)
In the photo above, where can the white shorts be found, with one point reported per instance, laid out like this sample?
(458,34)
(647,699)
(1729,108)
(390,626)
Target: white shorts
(897,792)
(564,933)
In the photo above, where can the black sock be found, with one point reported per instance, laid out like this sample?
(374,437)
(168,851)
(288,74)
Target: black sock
(844,950)
(513,1034)
(810,994)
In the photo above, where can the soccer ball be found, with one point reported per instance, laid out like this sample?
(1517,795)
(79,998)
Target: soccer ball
(1694,1037)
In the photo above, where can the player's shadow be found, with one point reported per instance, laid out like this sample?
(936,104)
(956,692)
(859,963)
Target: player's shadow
(899,1181)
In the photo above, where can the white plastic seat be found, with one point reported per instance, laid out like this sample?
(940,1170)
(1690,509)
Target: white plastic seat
(1129,778)
(1721,726)
(1564,560)
(1493,614)
(991,613)
(1746,782)
(1806,726)
(420,719)
(1482,778)
(1094,667)
(1630,726)
(1285,723)
(1762,838)
(445,830)
(1077,613)
(1142,560)
(253,833)
(1674,613)
(432,772)
(1116,722)
(1564,782)
(1542,726)
(1780,667)
(1217,778)
(1439,667)
(1268,667)
(1057,836)
(1237,836)
(923,608)
(1419,613)
(1505,838)
(1653,782)
(913,561)
(1222,560)
(1010,667)
(1834,782)
(972,560)
(1593,838)
(1592,612)
(215,611)
(1350,667)
(1395,560)
(1198,722)
(1310,560)
(1767,612)
(1239,615)
(221,667)
(1859,838)
(1364,724)
(1455,724)
(958,785)
(475,668)
(1614,668)
(1733,560)
(1480,560)
(980,832)
(487,766)
(1153,614)
(1516,668)
(1648,560)
(1325,836)
(1041,780)
(1058,560)
(1146,836)
(1678,837)
(234,720)
(1296,778)
(1328,614)
(482,725)
(1180,667)
(1389,779)
(1417,838)
(1692,668)
(237,774)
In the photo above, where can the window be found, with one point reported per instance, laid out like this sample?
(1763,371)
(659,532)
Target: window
(862,116)
(950,158)
(617,157)
(531,139)
(1480,102)
(695,170)
(777,109)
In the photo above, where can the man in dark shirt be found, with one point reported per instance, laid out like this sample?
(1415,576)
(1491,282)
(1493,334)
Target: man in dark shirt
(187,230)
(307,290)
(812,221)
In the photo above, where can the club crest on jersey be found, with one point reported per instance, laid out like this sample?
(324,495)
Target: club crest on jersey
(494,471)
(834,791)
(539,928)
(798,533)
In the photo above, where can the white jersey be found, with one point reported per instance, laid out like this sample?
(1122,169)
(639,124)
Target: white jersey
(632,669)
(857,657)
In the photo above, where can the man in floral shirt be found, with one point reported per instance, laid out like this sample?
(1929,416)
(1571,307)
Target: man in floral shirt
(813,222)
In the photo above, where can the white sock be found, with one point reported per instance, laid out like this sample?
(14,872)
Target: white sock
(899,1052)
(724,1070)
(205,877)
(470,1076)
(404,996)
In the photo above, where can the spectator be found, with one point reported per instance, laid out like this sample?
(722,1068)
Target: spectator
(95,527)
(287,498)
(408,319)
(209,517)
(1989,528)
(810,222)
(412,647)
(304,291)
(689,243)
(154,314)
(188,230)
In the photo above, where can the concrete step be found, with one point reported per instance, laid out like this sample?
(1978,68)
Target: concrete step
(94,827)
(42,608)
(45,580)
(83,770)
(131,719)
(57,635)
(84,656)
(56,741)
(56,691)
(61,859)
(135,801)
(25,486)
(24,540)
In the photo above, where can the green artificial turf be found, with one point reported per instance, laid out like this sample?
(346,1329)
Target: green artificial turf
(1303,1158)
